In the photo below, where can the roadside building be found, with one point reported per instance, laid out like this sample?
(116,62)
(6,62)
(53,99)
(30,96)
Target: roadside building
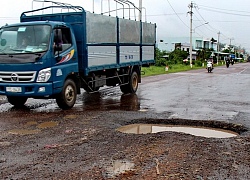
(183,43)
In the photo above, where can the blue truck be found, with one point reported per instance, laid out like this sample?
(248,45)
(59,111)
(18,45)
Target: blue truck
(55,55)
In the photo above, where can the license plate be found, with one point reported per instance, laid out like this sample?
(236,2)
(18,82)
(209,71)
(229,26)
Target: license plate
(13,89)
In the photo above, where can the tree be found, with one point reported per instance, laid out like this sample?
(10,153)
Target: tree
(201,54)
(177,56)
(159,57)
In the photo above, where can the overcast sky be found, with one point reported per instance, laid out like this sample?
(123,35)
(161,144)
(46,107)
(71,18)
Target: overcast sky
(229,17)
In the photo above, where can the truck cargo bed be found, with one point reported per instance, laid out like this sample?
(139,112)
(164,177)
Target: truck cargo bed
(105,42)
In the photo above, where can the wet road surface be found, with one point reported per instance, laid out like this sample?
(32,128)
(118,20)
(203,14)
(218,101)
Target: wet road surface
(40,141)
(222,94)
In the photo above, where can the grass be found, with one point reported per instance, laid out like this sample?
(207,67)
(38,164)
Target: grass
(156,70)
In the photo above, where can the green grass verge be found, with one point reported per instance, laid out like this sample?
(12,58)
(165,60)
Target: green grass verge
(156,70)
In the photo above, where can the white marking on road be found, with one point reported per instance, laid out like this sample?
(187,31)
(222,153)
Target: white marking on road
(243,70)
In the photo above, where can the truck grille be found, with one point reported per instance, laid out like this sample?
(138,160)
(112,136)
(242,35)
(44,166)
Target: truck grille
(27,76)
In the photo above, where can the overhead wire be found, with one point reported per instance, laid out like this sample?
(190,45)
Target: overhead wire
(212,28)
(201,21)
(170,14)
(230,10)
(177,14)
(235,14)
(225,11)
(209,24)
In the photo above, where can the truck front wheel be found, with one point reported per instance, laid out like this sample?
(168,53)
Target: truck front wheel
(17,100)
(67,98)
(132,85)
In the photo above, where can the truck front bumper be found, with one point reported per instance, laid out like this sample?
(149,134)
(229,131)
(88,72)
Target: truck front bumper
(28,90)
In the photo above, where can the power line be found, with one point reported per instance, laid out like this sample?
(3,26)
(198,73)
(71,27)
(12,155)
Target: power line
(225,9)
(165,14)
(217,11)
(198,29)
(203,20)
(200,14)
(209,25)
(177,14)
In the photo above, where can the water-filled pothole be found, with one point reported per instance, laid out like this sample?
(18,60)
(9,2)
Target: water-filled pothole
(48,124)
(33,127)
(119,167)
(193,130)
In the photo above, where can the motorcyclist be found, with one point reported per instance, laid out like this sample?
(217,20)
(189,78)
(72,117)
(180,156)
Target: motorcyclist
(227,61)
(210,61)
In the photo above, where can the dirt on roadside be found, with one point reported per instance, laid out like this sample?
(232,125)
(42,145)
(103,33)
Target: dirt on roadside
(86,145)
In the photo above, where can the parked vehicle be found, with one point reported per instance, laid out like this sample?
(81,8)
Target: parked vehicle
(209,66)
(68,51)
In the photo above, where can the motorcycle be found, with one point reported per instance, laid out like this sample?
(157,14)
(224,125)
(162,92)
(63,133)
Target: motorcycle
(227,63)
(209,67)
(232,61)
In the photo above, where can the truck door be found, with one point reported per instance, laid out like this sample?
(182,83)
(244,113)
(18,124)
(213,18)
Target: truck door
(65,56)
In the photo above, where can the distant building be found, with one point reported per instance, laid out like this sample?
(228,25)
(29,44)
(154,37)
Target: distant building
(183,43)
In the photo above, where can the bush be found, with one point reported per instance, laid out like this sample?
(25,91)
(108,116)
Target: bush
(161,62)
(198,63)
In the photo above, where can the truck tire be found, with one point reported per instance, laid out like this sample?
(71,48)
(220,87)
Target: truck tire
(67,98)
(17,100)
(132,85)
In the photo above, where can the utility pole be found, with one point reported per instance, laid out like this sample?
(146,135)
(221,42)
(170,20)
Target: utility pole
(191,6)
(230,43)
(218,47)
(140,10)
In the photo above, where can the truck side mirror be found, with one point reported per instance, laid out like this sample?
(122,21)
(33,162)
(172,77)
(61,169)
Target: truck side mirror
(3,42)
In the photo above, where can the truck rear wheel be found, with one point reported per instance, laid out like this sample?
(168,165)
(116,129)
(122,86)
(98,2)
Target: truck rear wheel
(67,98)
(17,100)
(132,85)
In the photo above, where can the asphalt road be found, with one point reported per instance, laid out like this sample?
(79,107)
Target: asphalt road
(220,95)
(40,141)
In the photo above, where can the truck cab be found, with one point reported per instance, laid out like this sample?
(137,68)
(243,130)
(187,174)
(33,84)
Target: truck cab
(35,59)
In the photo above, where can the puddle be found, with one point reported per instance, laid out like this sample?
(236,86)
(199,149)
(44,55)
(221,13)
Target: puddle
(49,124)
(31,130)
(24,131)
(143,110)
(70,116)
(31,123)
(193,130)
(119,167)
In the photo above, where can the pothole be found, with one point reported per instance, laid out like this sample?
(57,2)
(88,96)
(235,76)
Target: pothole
(119,167)
(48,124)
(33,127)
(193,130)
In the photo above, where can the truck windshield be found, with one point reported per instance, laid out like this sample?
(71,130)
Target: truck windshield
(24,39)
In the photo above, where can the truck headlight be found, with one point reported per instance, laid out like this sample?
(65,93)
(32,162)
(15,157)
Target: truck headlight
(44,75)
